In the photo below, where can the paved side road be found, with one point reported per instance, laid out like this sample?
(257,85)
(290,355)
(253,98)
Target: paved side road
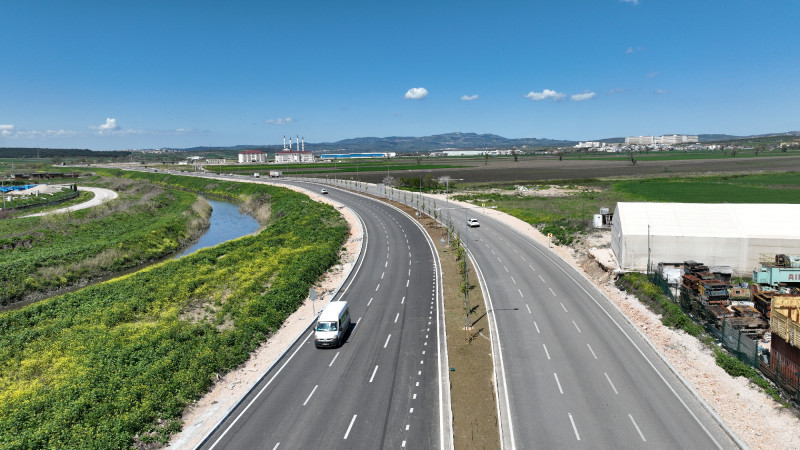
(101,195)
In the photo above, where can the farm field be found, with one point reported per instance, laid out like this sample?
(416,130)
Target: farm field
(114,364)
(41,254)
(567,214)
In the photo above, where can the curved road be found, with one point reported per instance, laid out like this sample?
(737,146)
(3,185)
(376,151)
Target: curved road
(384,387)
(101,195)
(573,371)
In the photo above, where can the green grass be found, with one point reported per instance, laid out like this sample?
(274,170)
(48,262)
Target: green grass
(147,222)
(96,367)
(569,217)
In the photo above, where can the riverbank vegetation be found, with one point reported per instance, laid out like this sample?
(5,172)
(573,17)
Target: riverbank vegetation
(39,255)
(117,362)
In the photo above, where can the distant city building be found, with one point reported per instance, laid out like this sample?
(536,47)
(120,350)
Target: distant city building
(589,144)
(216,161)
(639,140)
(289,156)
(671,139)
(356,155)
(252,156)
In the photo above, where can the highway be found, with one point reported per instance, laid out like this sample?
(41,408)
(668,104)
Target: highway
(572,371)
(384,387)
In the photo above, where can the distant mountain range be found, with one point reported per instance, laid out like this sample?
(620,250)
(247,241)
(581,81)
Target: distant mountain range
(461,141)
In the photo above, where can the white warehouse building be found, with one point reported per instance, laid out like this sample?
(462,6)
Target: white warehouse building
(719,234)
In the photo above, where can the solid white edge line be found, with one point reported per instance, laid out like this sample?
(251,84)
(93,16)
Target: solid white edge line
(549,255)
(498,378)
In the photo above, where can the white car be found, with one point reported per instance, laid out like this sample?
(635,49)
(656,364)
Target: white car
(473,223)
(324,191)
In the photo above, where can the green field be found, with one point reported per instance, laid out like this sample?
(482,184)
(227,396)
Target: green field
(96,367)
(147,222)
(569,217)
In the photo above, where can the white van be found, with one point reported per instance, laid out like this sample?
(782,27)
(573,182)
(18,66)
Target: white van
(333,323)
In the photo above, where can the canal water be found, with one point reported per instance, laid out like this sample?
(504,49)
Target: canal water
(226,223)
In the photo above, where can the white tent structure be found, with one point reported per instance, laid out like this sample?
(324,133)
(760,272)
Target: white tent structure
(718,234)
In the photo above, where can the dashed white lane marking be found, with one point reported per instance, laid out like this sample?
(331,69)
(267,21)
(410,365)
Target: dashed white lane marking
(403,444)
(520,293)
(387,263)
(370,300)
(565,308)
(590,349)
(574,428)
(407,427)
(504,267)
(387,341)
(531,267)
(551,290)
(373,374)
(309,395)
(512,279)
(523,259)
(540,277)
(334,359)
(609,382)
(403,300)
(537,327)
(548,355)
(384,273)
(637,428)
(409,272)
(407,281)
(377,287)
(576,326)
(351,426)
(276,446)
(499,260)
(396,317)
(558,383)
(529,308)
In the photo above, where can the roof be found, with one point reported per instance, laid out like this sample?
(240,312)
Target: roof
(719,220)
(250,152)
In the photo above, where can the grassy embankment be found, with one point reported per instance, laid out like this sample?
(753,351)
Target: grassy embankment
(117,362)
(43,254)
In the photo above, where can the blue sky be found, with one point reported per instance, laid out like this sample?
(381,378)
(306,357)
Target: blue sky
(150,74)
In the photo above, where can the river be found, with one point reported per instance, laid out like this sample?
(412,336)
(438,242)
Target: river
(226,223)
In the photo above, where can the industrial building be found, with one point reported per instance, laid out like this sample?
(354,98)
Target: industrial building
(736,235)
(287,155)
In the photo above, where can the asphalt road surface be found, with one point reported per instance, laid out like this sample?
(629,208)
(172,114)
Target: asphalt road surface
(573,373)
(101,195)
(383,387)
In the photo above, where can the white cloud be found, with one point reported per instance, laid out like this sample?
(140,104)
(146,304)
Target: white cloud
(469,98)
(652,74)
(44,133)
(633,50)
(110,125)
(662,91)
(417,93)
(632,2)
(545,94)
(6,130)
(588,95)
(616,91)
(280,121)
